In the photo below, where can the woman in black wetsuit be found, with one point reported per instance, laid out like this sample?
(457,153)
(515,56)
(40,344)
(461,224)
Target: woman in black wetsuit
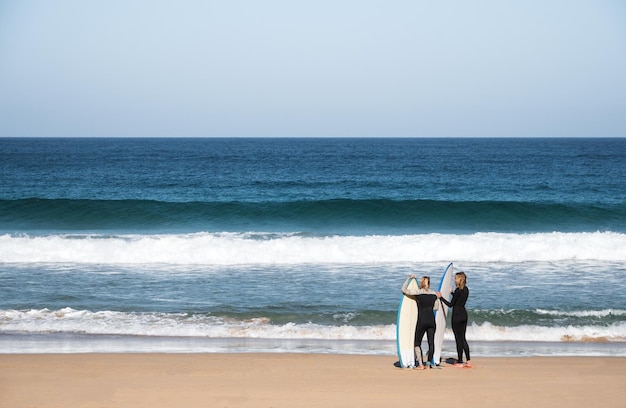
(426,304)
(459,318)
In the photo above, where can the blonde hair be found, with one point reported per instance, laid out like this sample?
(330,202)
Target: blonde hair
(424,282)
(462,279)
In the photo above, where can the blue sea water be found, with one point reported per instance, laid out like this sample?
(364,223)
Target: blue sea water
(302,245)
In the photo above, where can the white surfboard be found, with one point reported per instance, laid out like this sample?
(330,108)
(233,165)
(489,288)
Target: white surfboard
(405,327)
(445,285)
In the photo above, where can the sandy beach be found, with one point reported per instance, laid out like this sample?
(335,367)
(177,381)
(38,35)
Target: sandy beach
(303,380)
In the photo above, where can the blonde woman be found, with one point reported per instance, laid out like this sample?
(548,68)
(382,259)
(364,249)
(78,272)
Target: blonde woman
(426,304)
(459,318)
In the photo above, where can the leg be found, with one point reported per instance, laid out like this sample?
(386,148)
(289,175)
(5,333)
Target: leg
(466,349)
(430,335)
(419,335)
(459,338)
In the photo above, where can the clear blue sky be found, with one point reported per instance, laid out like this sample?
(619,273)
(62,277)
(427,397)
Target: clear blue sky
(313,68)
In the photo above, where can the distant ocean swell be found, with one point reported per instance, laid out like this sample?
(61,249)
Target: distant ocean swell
(335,215)
(68,320)
(292,249)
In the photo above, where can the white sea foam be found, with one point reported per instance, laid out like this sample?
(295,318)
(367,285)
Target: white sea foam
(68,320)
(488,332)
(584,313)
(240,248)
(179,325)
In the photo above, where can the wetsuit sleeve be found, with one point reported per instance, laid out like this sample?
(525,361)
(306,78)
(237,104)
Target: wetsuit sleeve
(406,290)
(455,298)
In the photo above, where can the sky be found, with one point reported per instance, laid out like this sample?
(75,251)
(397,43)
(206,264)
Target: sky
(289,68)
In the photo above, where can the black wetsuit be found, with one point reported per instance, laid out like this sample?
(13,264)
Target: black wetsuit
(426,322)
(459,321)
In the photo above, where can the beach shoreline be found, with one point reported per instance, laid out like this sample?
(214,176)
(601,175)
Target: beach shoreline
(76,343)
(302,380)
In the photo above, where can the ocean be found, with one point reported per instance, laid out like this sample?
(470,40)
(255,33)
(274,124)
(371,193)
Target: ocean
(302,245)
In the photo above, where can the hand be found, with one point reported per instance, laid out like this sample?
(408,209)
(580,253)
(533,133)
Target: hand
(438,295)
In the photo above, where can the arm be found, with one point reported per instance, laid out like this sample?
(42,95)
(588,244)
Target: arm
(455,298)
(405,288)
